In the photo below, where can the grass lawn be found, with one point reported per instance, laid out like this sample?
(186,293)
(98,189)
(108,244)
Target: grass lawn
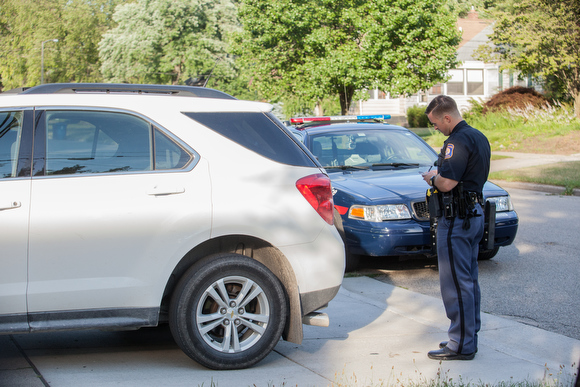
(499,157)
(561,174)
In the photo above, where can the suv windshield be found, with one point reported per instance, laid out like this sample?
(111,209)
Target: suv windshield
(371,148)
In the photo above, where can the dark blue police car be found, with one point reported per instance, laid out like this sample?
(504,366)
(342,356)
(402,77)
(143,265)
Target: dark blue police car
(375,169)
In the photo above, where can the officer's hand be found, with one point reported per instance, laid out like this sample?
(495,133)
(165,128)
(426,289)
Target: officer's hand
(428,175)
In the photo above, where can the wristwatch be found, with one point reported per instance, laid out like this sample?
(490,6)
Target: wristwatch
(433,180)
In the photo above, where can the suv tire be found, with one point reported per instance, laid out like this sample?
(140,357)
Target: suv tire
(228,312)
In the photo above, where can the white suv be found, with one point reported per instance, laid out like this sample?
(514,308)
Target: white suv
(127,206)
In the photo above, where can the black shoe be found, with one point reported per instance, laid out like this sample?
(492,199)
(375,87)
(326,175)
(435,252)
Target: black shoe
(443,344)
(447,354)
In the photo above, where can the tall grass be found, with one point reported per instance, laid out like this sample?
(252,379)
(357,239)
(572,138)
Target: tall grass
(560,377)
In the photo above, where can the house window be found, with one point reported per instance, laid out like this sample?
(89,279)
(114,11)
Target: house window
(455,84)
(436,89)
(474,82)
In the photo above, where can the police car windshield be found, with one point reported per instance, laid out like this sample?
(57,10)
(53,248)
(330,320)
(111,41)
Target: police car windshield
(370,148)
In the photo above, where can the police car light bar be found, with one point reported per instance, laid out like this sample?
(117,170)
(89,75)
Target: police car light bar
(304,120)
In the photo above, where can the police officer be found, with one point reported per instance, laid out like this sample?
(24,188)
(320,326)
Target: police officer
(463,168)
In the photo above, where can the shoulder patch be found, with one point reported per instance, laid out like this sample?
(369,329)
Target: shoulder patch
(449,151)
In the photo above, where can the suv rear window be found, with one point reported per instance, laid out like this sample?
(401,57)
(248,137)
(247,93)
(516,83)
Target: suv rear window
(257,132)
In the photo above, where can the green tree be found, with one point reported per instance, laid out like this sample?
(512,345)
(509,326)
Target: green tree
(315,48)
(77,24)
(81,26)
(540,38)
(169,41)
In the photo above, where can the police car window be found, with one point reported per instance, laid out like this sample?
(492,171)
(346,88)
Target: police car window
(81,142)
(10,131)
(370,147)
(257,132)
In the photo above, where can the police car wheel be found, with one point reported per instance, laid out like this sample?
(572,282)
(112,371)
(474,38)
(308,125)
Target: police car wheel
(352,261)
(485,255)
(228,312)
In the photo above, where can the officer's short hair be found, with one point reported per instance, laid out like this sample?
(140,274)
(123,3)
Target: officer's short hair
(442,104)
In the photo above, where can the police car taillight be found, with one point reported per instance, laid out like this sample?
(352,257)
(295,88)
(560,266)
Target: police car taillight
(305,120)
(317,190)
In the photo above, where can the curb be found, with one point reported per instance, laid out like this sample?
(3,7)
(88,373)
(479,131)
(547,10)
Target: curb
(552,189)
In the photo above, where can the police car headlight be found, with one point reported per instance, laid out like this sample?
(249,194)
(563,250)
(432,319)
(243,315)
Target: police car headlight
(379,213)
(502,203)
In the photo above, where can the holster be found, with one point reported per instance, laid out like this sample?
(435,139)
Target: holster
(450,204)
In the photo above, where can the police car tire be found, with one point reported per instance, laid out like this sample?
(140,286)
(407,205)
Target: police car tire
(352,261)
(485,255)
(192,300)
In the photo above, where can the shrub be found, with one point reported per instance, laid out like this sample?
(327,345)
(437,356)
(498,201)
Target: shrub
(517,97)
(417,118)
(475,111)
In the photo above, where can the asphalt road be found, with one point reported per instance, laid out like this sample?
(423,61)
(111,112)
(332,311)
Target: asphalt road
(534,281)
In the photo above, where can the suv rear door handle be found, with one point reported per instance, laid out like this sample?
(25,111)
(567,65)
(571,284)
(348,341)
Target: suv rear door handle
(10,206)
(164,191)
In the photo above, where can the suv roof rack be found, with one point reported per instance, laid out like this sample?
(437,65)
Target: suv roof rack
(110,88)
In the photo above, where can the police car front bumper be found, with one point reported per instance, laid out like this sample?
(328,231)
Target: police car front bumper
(506,228)
(409,237)
(389,238)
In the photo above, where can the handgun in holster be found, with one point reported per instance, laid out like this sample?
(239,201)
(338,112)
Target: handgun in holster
(449,205)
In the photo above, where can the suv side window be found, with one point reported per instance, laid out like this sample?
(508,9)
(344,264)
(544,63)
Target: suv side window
(80,142)
(257,132)
(168,154)
(10,132)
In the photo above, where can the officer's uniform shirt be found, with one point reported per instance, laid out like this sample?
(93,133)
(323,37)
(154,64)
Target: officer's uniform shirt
(457,165)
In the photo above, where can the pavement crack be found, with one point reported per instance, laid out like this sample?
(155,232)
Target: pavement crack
(303,366)
(25,356)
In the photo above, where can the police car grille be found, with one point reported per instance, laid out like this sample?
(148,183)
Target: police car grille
(421,210)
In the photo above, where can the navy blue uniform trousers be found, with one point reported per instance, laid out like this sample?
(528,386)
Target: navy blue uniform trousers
(457,251)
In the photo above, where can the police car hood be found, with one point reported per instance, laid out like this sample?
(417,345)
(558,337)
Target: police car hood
(380,185)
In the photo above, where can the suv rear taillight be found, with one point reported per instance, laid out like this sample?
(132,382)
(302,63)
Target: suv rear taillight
(317,190)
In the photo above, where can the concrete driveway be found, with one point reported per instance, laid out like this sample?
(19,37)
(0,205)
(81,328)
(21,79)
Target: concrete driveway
(379,335)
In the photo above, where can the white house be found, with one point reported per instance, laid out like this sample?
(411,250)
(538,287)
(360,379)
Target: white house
(472,79)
